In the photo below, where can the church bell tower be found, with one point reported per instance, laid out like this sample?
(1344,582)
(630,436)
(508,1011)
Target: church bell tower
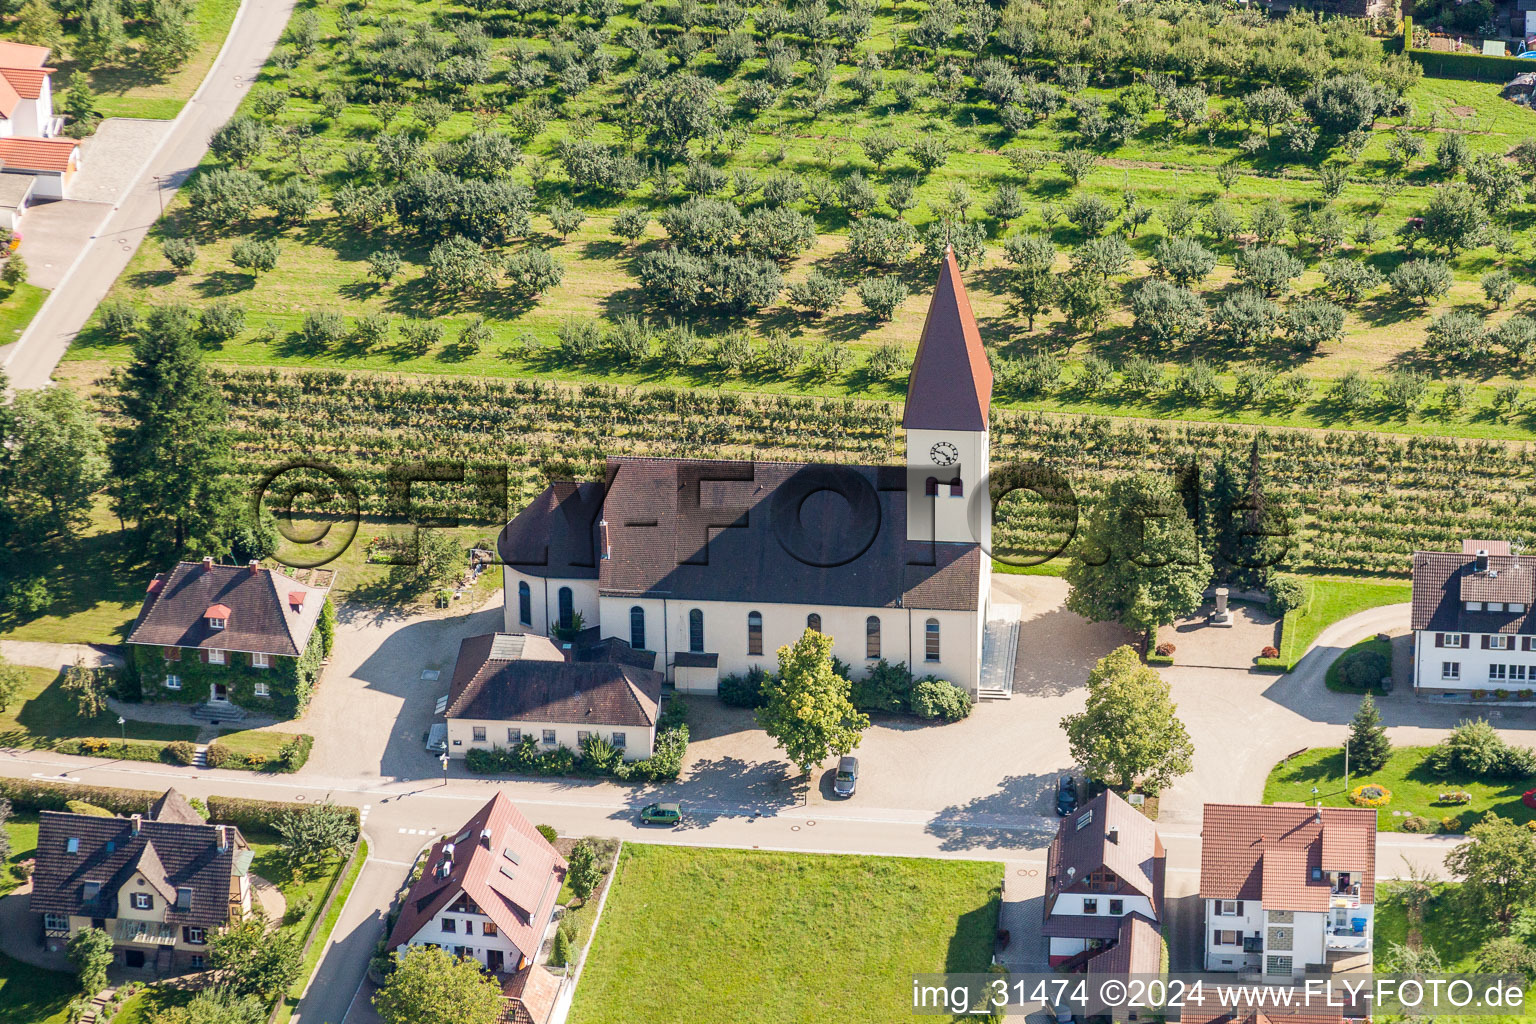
(949,396)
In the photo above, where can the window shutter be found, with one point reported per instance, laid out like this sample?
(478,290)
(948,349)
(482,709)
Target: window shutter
(1239,908)
(1486,638)
(202,652)
(1466,640)
(186,934)
(1439,639)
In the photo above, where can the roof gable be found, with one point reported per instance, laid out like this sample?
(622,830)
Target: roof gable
(1444,581)
(168,854)
(517,891)
(950,387)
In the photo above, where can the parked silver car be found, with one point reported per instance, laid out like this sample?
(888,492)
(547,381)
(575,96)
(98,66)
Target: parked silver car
(847,779)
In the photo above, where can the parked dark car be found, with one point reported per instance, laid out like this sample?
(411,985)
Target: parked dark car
(1066,795)
(847,779)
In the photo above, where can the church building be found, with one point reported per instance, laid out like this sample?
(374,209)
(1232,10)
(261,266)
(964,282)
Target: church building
(714,565)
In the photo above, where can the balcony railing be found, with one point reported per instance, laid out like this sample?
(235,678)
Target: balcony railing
(1346,897)
(1348,940)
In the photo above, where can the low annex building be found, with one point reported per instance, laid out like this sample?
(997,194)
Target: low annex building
(233,637)
(160,884)
(511,688)
(1473,625)
(489,893)
(1288,888)
(713,565)
(30,144)
(1104,879)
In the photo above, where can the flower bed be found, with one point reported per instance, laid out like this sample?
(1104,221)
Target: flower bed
(1370,795)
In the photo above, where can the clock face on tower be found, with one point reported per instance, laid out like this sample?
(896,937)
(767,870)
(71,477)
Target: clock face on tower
(944,454)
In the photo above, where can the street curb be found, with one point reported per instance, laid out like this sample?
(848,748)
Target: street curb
(96,233)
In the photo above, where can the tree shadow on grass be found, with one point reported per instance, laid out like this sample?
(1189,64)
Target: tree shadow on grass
(224,282)
(145,279)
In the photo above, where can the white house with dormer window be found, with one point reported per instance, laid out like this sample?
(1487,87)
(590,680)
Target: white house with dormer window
(1473,628)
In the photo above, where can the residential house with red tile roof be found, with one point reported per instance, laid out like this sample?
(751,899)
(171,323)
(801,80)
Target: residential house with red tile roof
(159,883)
(714,565)
(1474,628)
(1288,888)
(488,893)
(29,131)
(509,688)
(1105,867)
(232,638)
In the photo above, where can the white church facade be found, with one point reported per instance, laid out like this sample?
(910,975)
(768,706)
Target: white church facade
(714,565)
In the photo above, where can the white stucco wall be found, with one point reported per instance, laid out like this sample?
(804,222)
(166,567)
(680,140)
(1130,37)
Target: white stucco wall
(945,517)
(1070,904)
(902,633)
(1428,663)
(638,742)
(544,597)
(1231,958)
(478,943)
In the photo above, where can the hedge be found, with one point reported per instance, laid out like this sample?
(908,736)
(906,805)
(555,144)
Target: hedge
(132,750)
(38,795)
(1469,66)
(263,815)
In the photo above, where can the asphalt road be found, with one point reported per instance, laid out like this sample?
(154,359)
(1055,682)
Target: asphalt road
(402,816)
(31,360)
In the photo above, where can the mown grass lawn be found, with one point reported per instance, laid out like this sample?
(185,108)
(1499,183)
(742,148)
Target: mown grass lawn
(1328,601)
(128,88)
(32,996)
(749,936)
(17,308)
(45,714)
(94,580)
(1415,788)
(21,829)
(323,931)
(266,742)
(1447,925)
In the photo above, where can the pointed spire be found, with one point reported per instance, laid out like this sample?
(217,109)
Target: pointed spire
(951,383)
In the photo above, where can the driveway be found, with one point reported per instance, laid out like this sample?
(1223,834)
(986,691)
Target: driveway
(54,234)
(371,712)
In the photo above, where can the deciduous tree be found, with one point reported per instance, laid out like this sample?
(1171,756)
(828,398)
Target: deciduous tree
(430,986)
(808,712)
(1129,733)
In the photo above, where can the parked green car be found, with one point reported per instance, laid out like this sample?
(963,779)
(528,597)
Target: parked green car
(661,814)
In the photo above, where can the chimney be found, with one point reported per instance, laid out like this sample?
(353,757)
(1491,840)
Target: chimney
(207,562)
(1481,563)
(252,566)
(448,851)
(1113,835)
(604,546)
(485,838)
(138,820)
(223,837)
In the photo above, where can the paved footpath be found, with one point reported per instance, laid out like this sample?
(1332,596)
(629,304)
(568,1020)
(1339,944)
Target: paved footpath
(31,360)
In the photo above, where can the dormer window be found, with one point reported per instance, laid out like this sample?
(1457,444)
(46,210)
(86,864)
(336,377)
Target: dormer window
(214,623)
(217,616)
